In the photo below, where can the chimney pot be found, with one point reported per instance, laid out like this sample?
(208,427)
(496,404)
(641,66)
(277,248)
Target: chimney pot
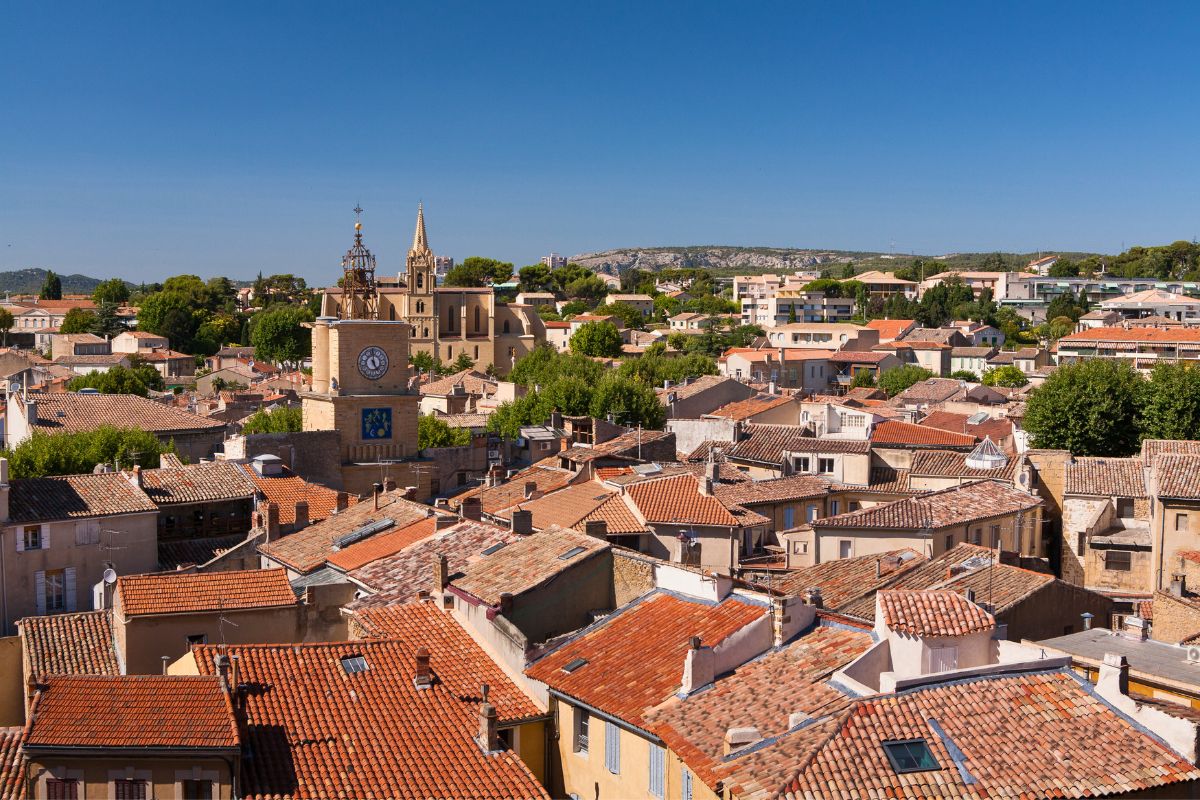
(423,678)
(694,643)
(378,489)
(301,514)
(472,508)
(489,732)
(506,601)
(814,597)
(522,521)
(530,489)
(137,475)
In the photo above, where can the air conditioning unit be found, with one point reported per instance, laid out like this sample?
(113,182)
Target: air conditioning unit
(1193,654)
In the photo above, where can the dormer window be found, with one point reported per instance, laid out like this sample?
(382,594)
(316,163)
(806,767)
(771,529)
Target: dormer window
(910,755)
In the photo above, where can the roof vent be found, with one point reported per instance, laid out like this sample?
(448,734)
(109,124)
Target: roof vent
(573,665)
(358,534)
(987,456)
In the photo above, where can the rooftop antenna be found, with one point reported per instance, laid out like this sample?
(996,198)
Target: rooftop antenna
(222,621)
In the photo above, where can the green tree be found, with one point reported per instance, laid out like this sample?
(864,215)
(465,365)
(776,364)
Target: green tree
(105,321)
(575,307)
(77,320)
(139,380)
(46,454)
(629,402)
(220,329)
(848,271)
(861,379)
(52,287)
(1065,305)
(462,362)
(433,432)
(568,394)
(113,290)
(281,419)
(965,375)
(537,278)
(1089,408)
(478,271)
(172,314)
(7,320)
(1171,402)
(588,287)
(280,336)
(1007,376)
(508,418)
(630,317)
(678,341)
(222,292)
(597,339)
(897,379)
(425,362)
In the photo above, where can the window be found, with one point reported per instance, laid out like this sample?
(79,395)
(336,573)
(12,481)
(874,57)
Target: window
(658,758)
(506,326)
(800,463)
(1181,522)
(580,744)
(977,536)
(825,466)
(1080,543)
(130,789)
(1118,560)
(942,659)
(995,531)
(354,664)
(477,322)
(845,548)
(789,517)
(32,539)
(62,789)
(53,591)
(911,755)
(197,790)
(197,638)
(685,783)
(949,540)
(612,748)
(812,513)
(1125,507)
(834,507)
(854,505)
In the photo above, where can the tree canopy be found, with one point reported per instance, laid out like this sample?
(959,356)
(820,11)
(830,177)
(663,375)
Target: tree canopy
(279,335)
(597,339)
(478,271)
(77,320)
(1171,402)
(51,287)
(1089,408)
(282,419)
(46,454)
(1008,376)
(113,290)
(897,379)
(433,432)
(138,379)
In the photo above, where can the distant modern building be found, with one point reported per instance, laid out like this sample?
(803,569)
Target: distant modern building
(554,261)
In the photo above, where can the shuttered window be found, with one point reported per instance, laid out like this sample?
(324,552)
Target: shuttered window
(612,748)
(685,783)
(658,758)
(130,790)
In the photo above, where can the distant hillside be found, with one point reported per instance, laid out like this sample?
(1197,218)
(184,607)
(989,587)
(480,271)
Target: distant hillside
(755,260)
(29,281)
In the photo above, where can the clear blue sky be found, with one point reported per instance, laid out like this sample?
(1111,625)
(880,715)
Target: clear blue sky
(148,139)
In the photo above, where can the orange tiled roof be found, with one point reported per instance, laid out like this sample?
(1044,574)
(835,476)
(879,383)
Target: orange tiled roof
(1178,475)
(744,409)
(382,545)
(616,515)
(132,711)
(678,499)
(565,507)
(472,382)
(86,412)
(288,489)
(952,506)
(846,579)
(1160,335)
(932,613)
(527,563)
(191,593)
(12,778)
(69,644)
(75,497)
(997,428)
(196,483)
(890,328)
(635,655)
(366,734)
(1111,477)
(506,495)
(948,463)
(894,432)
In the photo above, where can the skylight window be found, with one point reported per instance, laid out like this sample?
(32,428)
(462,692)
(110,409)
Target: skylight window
(571,666)
(910,755)
(574,551)
(353,664)
(489,550)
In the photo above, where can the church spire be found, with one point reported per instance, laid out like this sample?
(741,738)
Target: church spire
(420,242)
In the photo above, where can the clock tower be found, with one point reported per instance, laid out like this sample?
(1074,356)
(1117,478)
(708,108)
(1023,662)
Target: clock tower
(360,389)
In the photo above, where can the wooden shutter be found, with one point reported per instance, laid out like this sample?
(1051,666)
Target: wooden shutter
(39,590)
(612,748)
(69,589)
(657,759)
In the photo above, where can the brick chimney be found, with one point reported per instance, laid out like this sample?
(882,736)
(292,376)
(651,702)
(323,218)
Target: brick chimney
(342,502)
(423,678)
(441,522)
(597,529)
(441,572)
(472,508)
(813,597)
(522,521)
(272,521)
(136,477)
(301,514)
(489,731)
(530,489)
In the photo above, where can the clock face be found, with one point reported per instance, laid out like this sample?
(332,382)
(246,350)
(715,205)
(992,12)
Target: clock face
(372,362)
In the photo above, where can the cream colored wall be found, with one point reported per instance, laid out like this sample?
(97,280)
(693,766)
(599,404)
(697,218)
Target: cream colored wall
(1169,537)
(147,639)
(585,775)
(530,747)
(12,682)
(1016,534)
(96,774)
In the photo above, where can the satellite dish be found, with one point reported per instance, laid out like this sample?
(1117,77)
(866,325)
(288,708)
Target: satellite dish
(110,576)
(14,387)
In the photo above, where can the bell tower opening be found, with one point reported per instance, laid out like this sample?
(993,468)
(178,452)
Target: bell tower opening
(360,296)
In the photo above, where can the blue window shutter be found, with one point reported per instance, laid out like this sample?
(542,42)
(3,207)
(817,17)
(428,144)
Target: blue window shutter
(789,517)
(657,757)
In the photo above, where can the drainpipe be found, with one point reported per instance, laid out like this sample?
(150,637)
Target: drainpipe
(3,582)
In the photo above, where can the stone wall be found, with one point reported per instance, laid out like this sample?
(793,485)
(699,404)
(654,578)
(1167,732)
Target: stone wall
(307,453)
(633,575)
(1175,618)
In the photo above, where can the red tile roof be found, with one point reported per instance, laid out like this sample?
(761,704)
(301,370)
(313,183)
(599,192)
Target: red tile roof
(68,411)
(382,545)
(1178,475)
(635,656)
(905,434)
(1160,335)
(76,497)
(197,483)
(329,733)
(766,444)
(193,593)
(1106,477)
(932,613)
(528,563)
(745,409)
(287,489)
(997,428)
(12,778)
(616,515)
(506,495)
(69,644)
(935,510)
(890,328)
(777,490)
(846,579)
(472,382)
(565,507)
(951,464)
(678,500)
(132,711)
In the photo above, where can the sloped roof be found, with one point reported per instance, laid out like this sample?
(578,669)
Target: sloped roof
(472,381)
(371,733)
(382,545)
(564,507)
(765,444)
(932,613)
(1147,335)
(995,427)
(75,497)
(745,409)
(953,506)
(68,411)
(793,487)
(132,711)
(845,579)
(905,434)
(198,592)
(528,563)
(69,644)
(1177,475)
(288,489)
(506,495)
(678,500)
(1107,477)
(12,778)
(197,483)
(953,464)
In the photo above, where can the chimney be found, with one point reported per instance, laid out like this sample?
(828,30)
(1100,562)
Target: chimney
(234,671)
(506,602)
(530,489)
(739,738)
(556,420)
(272,521)
(423,678)
(878,568)
(442,522)
(1087,620)
(779,620)
(522,521)
(301,514)
(389,484)
(1135,628)
(377,489)
(699,666)
(472,508)
(221,662)
(137,476)
(1177,584)
(711,471)
(597,529)
(706,486)
(489,733)
(342,502)
(1114,675)
(813,597)
(410,493)
(441,572)
(166,662)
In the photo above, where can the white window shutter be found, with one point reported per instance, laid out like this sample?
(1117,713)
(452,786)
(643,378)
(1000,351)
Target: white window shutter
(685,775)
(657,757)
(20,537)
(612,748)
(39,588)
(45,537)
(69,588)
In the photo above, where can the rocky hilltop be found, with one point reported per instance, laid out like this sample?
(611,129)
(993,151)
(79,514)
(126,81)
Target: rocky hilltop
(717,259)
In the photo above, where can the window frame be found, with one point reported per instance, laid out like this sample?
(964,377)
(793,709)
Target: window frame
(1125,555)
(920,765)
(580,730)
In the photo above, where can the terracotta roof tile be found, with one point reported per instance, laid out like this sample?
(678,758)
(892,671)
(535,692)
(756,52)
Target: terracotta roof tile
(886,479)
(1177,475)
(890,328)
(635,655)
(176,553)
(1109,477)
(68,411)
(932,613)
(1158,335)
(695,386)
(191,593)
(132,711)
(12,779)
(371,733)
(472,382)
(905,434)
(745,409)
(527,563)
(616,514)
(998,586)
(76,496)
(935,510)
(565,507)
(288,489)
(506,495)
(382,545)
(678,500)
(627,445)
(1152,448)
(847,579)
(69,644)
(308,549)
(197,483)
(951,464)
(995,427)
(766,444)
(930,390)
(398,578)
(793,487)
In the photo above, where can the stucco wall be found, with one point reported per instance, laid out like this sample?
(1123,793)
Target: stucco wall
(304,452)
(12,682)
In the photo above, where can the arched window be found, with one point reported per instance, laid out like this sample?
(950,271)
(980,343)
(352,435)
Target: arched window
(477,319)
(420,280)
(425,335)
(506,326)
(392,313)
(420,306)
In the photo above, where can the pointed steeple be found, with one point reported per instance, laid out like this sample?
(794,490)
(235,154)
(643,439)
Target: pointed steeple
(420,242)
